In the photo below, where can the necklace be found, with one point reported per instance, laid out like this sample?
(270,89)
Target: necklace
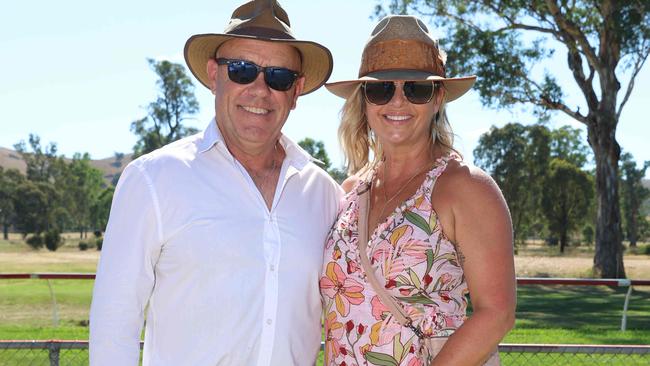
(263,179)
(386,200)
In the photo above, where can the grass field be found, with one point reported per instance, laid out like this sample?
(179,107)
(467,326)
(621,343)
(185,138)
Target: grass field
(545,314)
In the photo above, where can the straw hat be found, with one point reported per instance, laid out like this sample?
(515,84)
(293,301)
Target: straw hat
(401,48)
(264,20)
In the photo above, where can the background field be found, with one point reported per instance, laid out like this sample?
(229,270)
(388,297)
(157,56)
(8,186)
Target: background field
(546,314)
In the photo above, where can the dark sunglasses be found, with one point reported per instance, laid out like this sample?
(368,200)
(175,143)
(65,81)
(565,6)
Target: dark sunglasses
(245,72)
(416,92)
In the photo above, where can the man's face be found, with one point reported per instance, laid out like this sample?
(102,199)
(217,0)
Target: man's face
(251,116)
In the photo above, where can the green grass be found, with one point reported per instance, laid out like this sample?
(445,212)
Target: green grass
(579,315)
(545,314)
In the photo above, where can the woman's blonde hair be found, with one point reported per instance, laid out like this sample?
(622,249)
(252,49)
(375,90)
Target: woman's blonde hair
(358,141)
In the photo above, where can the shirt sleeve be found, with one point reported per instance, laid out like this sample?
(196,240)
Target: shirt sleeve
(125,273)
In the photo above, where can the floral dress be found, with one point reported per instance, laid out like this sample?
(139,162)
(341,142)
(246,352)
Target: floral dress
(418,265)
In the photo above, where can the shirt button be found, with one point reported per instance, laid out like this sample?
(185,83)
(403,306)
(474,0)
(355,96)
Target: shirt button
(269,321)
(272,268)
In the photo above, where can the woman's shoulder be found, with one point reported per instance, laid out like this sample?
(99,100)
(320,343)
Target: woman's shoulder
(350,182)
(464,181)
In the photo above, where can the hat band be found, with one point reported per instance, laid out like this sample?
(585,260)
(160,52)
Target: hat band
(261,33)
(401,54)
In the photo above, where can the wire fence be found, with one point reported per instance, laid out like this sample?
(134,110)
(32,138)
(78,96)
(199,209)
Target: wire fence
(72,353)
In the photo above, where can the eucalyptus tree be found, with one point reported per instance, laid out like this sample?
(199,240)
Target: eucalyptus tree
(10,179)
(633,195)
(568,192)
(517,157)
(174,104)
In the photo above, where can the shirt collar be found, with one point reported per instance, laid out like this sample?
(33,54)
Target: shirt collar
(296,155)
(211,137)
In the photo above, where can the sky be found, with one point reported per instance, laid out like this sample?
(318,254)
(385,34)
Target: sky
(76,73)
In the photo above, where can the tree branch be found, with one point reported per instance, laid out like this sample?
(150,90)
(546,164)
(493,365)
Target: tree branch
(630,85)
(572,31)
(550,104)
(528,27)
(585,84)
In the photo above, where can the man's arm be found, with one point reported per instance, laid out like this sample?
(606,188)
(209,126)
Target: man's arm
(125,274)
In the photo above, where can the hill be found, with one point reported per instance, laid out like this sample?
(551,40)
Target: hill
(110,167)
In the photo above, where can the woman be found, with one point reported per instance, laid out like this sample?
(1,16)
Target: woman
(437,229)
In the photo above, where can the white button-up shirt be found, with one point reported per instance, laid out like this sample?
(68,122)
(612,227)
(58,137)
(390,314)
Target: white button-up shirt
(223,280)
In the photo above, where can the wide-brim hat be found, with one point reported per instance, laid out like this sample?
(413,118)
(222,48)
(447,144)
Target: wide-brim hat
(401,48)
(261,20)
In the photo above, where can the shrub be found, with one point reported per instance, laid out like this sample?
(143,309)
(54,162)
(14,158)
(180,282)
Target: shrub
(552,241)
(35,241)
(588,234)
(53,239)
(83,245)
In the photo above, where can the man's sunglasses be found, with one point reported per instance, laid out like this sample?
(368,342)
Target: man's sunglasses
(245,72)
(416,92)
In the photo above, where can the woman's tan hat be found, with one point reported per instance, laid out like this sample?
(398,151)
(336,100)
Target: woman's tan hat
(263,20)
(401,48)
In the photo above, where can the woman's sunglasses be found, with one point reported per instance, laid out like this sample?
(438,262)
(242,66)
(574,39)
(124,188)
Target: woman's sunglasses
(245,72)
(416,92)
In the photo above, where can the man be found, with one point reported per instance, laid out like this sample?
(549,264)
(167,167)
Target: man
(219,237)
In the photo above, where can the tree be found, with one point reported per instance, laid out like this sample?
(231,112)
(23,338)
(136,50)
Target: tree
(101,209)
(34,205)
(81,186)
(517,156)
(42,163)
(9,181)
(175,102)
(317,150)
(633,193)
(604,41)
(567,144)
(568,193)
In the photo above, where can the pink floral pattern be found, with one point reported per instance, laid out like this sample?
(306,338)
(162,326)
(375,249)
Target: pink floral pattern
(418,265)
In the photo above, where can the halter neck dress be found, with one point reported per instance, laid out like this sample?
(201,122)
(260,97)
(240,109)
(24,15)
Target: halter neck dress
(417,264)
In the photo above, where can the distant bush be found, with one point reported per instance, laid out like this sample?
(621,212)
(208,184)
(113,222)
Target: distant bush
(588,234)
(83,245)
(99,240)
(53,239)
(551,241)
(35,241)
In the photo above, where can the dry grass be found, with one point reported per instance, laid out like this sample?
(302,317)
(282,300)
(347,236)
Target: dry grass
(538,260)
(533,260)
(16,256)
(636,267)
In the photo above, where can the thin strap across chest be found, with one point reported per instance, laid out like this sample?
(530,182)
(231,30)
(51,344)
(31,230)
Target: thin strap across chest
(363,194)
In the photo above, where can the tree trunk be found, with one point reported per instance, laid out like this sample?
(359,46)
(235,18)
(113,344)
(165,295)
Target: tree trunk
(633,229)
(608,259)
(5,231)
(563,241)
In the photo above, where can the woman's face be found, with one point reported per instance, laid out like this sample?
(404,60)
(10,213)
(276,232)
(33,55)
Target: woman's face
(400,123)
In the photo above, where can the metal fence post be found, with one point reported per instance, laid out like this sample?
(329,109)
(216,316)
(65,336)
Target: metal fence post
(55,313)
(55,352)
(625,304)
